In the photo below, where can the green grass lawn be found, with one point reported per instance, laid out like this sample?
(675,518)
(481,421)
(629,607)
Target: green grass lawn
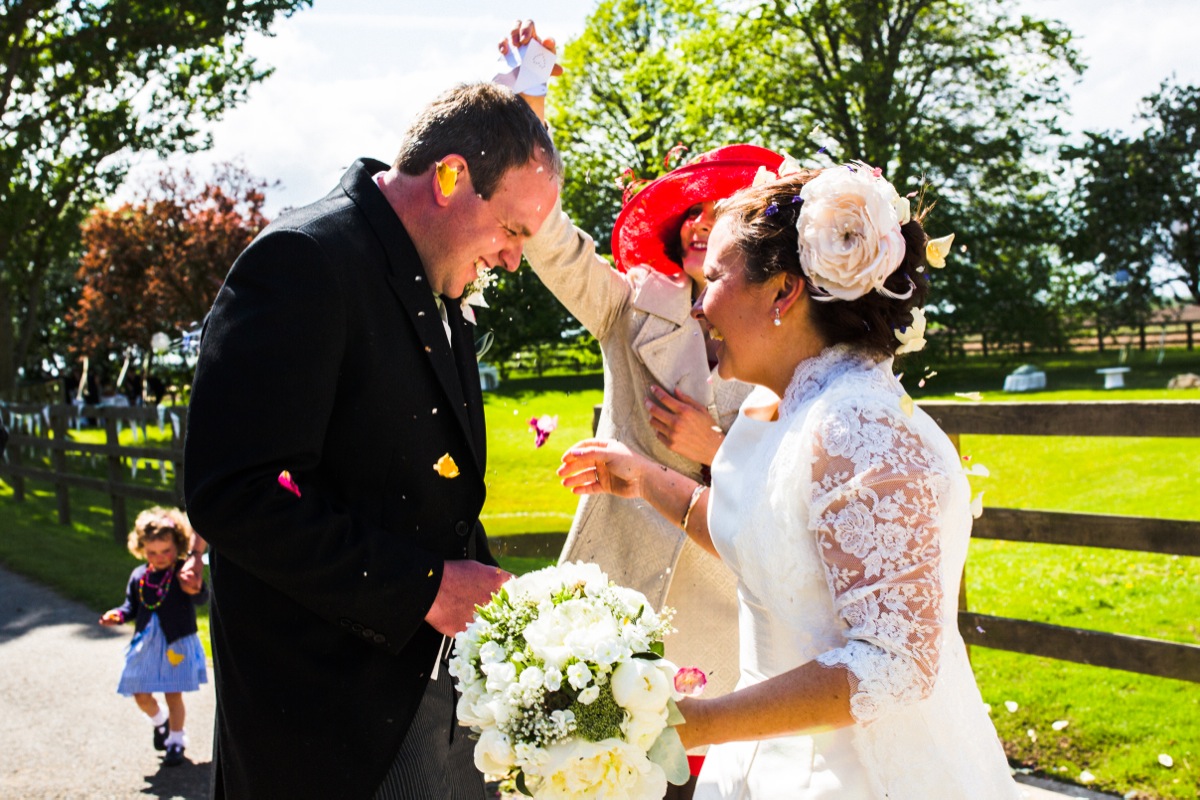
(1117,723)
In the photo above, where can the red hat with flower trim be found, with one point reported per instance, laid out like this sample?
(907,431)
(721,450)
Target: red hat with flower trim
(648,225)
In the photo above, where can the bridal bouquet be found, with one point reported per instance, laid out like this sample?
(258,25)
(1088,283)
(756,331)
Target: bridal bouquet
(562,676)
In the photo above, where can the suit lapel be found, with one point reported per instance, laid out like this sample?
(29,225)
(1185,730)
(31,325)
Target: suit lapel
(406,276)
(468,374)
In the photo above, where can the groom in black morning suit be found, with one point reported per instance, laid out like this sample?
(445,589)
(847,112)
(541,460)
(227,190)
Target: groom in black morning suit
(337,351)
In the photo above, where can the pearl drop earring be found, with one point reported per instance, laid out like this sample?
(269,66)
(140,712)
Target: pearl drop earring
(777,321)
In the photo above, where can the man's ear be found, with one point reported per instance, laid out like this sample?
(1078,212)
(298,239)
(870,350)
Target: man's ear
(446,176)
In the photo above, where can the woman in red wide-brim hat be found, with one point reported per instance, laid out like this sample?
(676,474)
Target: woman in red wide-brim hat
(662,395)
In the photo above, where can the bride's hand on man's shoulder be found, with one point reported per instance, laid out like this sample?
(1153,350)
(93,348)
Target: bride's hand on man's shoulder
(599,466)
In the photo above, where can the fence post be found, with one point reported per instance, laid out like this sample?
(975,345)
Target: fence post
(112,441)
(962,580)
(1142,337)
(58,458)
(1189,335)
(177,445)
(14,457)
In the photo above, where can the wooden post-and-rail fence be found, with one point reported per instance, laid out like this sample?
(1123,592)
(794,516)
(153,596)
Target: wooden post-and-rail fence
(36,430)
(1165,418)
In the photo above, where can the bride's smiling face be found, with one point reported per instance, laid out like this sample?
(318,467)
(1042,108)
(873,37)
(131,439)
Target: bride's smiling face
(735,311)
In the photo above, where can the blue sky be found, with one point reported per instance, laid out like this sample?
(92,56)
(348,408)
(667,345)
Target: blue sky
(349,74)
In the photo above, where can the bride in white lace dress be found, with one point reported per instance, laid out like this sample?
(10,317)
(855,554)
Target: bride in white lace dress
(842,509)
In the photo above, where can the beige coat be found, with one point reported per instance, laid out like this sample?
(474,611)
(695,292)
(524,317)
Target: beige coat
(642,321)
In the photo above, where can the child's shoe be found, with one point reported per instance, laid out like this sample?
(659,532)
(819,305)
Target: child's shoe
(174,756)
(160,737)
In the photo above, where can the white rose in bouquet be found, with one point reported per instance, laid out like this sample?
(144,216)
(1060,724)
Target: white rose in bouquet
(609,768)
(640,685)
(494,753)
(562,676)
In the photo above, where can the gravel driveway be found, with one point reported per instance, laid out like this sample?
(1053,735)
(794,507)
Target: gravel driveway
(64,730)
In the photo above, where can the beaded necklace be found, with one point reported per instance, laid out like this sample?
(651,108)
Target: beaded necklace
(160,589)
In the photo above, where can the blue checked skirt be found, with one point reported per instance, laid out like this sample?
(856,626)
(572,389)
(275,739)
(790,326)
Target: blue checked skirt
(152,665)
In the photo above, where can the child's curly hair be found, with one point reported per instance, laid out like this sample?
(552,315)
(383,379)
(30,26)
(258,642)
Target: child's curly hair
(158,523)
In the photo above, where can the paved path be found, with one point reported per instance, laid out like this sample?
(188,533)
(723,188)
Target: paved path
(66,734)
(64,730)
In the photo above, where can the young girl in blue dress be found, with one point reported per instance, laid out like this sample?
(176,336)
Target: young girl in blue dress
(161,598)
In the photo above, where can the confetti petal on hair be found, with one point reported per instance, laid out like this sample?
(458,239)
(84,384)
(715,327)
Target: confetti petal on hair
(285,480)
(447,177)
(690,681)
(446,467)
(972,396)
(789,166)
(906,405)
(936,251)
(543,426)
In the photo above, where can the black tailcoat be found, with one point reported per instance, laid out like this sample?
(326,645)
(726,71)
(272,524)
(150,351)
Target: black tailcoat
(325,355)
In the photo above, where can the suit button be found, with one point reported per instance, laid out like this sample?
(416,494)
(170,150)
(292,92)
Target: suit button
(380,638)
(368,633)
(345,622)
(356,627)
(462,528)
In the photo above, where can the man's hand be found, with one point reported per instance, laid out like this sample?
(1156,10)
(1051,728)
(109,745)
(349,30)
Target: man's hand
(684,425)
(465,584)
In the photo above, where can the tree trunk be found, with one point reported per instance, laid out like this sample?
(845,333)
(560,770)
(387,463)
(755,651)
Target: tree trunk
(8,367)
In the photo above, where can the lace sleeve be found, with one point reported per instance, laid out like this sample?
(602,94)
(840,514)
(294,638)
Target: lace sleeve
(876,497)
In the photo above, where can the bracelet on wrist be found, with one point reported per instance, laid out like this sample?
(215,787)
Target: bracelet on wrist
(687,515)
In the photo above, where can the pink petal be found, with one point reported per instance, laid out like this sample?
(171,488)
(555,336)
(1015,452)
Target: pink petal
(690,681)
(285,480)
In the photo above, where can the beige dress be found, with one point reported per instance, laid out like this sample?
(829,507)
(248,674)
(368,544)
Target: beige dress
(642,321)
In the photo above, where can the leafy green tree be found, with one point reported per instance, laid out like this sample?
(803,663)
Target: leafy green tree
(522,317)
(1136,239)
(961,95)
(82,86)
(623,103)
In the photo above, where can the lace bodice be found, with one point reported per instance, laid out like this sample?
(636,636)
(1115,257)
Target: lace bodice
(847,522)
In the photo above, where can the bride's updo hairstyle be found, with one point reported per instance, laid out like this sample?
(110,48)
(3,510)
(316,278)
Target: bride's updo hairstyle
(859,296)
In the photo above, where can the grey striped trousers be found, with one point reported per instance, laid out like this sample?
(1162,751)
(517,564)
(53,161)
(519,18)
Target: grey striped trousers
(436,760)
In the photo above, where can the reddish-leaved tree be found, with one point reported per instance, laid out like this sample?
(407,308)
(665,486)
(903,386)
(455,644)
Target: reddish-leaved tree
(156,264)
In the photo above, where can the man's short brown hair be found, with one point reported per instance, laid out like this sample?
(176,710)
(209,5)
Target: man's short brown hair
(488,125)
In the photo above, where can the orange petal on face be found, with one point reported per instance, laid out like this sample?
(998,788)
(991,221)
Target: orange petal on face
(285,480)
(446,467)
(447,178)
